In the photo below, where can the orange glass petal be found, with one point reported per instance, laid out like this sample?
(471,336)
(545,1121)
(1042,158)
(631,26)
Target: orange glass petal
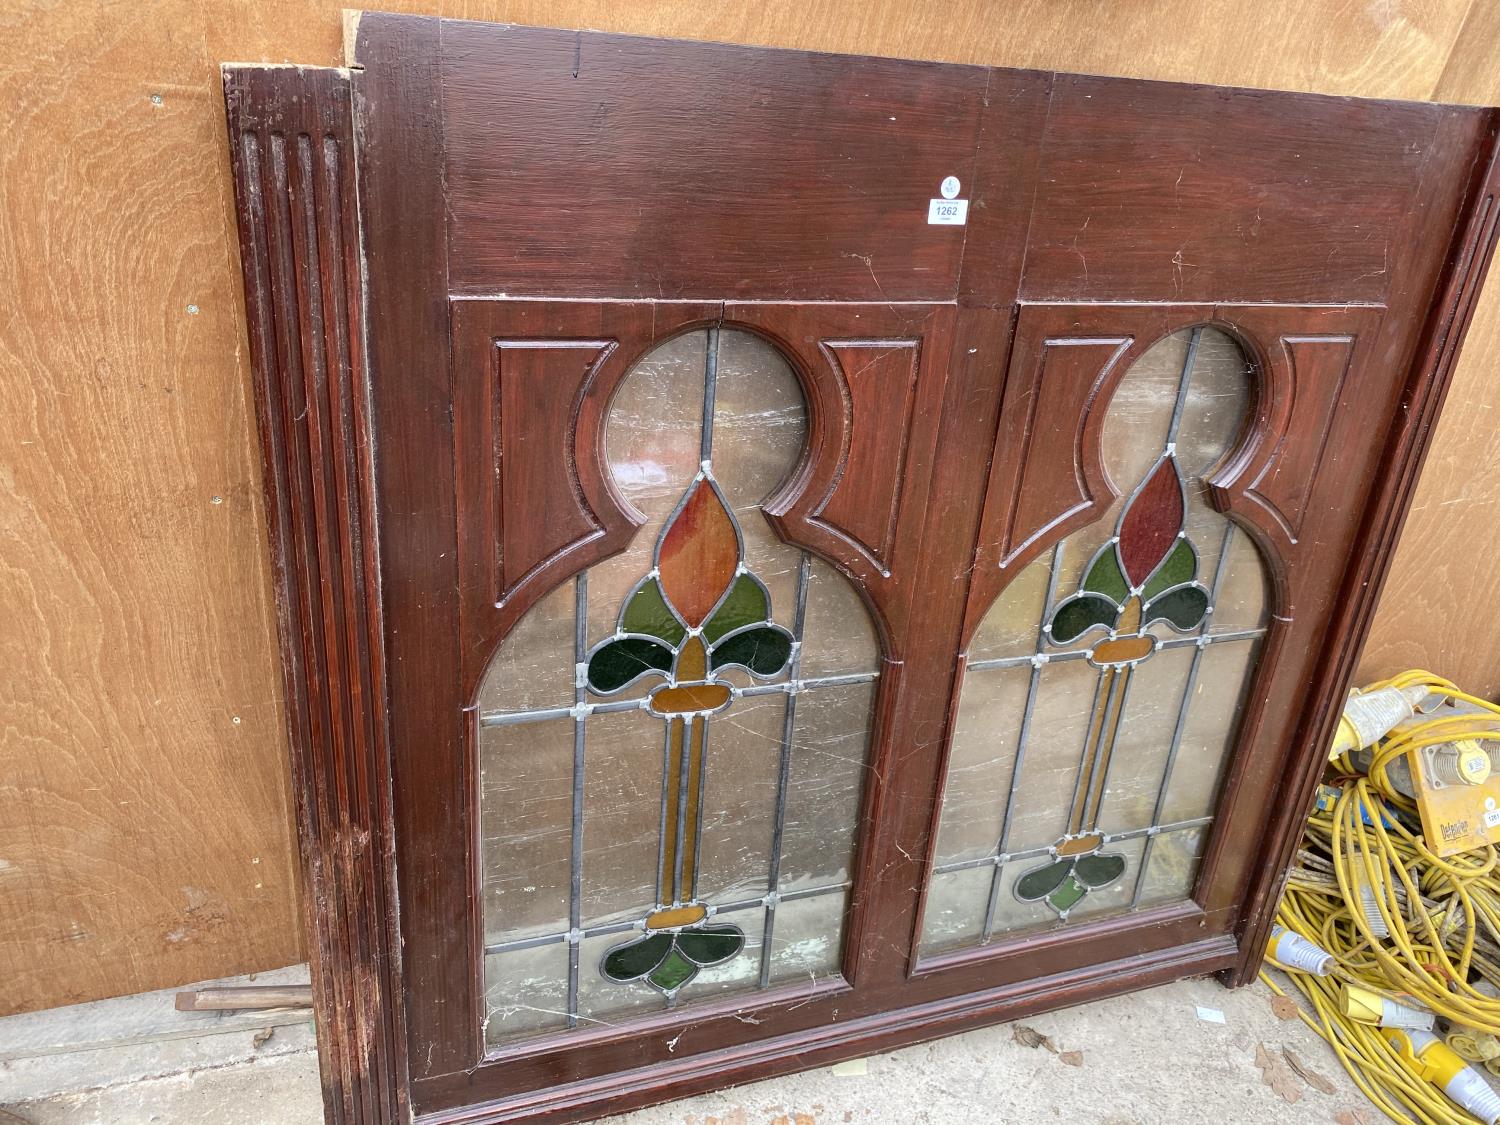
(698,555)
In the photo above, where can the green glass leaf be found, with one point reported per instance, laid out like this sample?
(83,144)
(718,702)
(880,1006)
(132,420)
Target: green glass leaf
(1067,896)
(647,612)
(1095,871)
(745,605)
(1104,576)
(1042,881)
(1080,613)
(1181,566)
(673,973)
(615,663)
(710,946)
(637,958)
(1184,607)
(764,651)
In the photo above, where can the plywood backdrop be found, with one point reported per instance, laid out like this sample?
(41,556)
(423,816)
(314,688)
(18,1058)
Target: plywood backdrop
(145,831)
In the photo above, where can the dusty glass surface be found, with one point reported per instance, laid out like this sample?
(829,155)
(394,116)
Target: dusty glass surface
(1015,916)
(1213,713)
(652,447)
(826,785)
(738,787)
(1172,866)
(526,777)
(535,667)
(1013,623)
(1088,718)
(621,814)
(955,909)
(807,936)
(687,720)
(760,427)
(840,636)
(526,992)
(983,754)
(1140,750)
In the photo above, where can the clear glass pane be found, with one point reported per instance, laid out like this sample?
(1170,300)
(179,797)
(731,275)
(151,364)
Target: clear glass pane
(739,786)
(526,992)
(1213,718)
(695,811)
(1173,866)
(653,436)
(534,669)
(1145,740)
(825,785)
(526,779)
(622,814)
(1242,599)
(980,762)
(1049,769)
(1220,395)
(760,427)
(838,637)
(956,904)
(653,445)
(1132,717)
(805,945)
(1140,413)
(1013,623)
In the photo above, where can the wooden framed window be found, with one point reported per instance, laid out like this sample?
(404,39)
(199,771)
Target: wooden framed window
(786,555)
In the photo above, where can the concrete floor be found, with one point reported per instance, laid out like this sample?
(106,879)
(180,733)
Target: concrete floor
(1157,1056)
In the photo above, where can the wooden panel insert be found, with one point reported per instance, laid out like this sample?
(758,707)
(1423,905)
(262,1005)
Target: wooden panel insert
(530,431)
(1319,368)
(880,385)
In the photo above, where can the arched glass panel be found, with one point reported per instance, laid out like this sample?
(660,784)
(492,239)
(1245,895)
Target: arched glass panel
(1105,685)
(672,745)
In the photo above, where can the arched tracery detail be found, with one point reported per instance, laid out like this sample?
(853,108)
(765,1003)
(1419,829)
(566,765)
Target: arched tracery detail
(1103,688)
(672,744)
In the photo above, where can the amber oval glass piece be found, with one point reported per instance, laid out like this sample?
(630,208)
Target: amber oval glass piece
(1149,527)
(1123,650)
(699,554)
(691,699)
(676,916)
(1078,845)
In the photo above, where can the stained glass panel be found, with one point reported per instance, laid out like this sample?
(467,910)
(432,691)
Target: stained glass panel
(1104,686)
(672,815)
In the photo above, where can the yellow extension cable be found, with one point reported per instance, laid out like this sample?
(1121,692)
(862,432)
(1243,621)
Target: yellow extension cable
(1443,915)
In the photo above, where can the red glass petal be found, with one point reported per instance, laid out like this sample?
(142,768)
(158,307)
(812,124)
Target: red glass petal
(698,555)
(1150,524)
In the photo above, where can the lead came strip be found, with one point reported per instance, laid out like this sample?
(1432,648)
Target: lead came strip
(784,768)
(1182,714)
(575,893)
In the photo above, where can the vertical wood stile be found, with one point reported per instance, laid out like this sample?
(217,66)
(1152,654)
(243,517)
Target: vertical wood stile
(296,204)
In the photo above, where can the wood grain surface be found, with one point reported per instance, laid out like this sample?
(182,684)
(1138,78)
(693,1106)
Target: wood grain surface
(145,837)
(144,819)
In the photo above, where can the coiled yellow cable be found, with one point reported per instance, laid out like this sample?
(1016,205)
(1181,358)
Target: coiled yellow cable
(1442,915)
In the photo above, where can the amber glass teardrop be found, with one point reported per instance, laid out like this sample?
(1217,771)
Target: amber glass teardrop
(699,554)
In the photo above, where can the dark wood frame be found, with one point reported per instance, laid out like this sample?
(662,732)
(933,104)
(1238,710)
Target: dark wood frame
(347,179)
